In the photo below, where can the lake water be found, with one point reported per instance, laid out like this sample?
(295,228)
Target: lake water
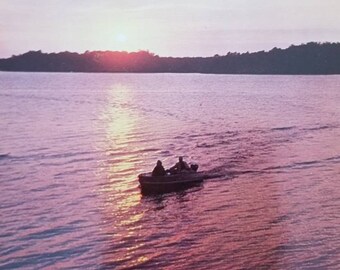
(72,146)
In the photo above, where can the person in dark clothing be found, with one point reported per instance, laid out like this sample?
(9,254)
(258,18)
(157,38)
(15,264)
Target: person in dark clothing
(181,165)
(159,169)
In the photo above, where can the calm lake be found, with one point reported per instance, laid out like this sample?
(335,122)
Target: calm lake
(72,146)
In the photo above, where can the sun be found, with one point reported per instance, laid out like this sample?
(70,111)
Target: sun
(121,38)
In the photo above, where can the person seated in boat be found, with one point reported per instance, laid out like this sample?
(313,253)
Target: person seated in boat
(159,169)
(180,166)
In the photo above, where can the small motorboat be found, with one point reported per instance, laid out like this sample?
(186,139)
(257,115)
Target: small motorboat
(169,182)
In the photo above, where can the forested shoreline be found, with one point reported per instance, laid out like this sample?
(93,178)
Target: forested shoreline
(310,58)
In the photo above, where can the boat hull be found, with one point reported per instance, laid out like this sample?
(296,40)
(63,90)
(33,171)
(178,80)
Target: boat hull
(162,184)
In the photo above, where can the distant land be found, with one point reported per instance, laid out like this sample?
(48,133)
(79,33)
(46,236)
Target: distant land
(310,58)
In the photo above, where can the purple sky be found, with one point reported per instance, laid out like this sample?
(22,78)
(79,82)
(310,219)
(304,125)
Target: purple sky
(176,28)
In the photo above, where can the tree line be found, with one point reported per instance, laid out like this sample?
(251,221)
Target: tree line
(310,58)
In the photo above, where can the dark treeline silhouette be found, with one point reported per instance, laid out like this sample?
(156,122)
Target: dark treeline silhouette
(310,58)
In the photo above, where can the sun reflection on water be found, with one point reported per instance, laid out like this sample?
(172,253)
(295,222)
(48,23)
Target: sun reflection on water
(120,192)
(121,161)
(121,119)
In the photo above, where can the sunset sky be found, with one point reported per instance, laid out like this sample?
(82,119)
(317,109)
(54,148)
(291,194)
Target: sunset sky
(167,28)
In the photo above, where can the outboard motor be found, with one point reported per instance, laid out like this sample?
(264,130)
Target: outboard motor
(194,167)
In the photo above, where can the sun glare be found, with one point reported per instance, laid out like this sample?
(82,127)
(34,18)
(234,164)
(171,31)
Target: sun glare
(121,38)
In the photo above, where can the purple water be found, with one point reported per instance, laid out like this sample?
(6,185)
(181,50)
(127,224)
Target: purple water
(72,146)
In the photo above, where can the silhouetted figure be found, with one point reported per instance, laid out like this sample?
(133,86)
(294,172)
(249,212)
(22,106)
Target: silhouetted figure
(159,169)
(194,167)
(181,165)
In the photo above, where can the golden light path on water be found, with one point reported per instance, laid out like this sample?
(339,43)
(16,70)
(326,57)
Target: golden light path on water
(120,193)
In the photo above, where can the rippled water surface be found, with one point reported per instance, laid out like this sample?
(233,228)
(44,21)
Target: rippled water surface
(72,146)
